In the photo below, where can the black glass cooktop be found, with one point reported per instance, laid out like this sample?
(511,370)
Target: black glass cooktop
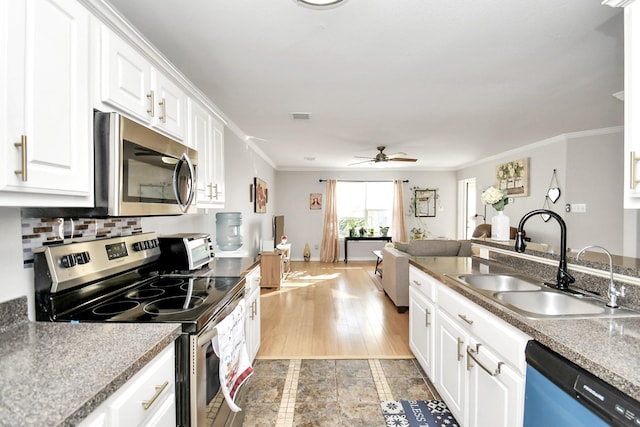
(186,300)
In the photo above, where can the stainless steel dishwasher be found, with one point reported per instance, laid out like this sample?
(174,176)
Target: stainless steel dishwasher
(559,393)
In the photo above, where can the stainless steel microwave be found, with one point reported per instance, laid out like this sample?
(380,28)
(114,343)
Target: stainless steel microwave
(138,172)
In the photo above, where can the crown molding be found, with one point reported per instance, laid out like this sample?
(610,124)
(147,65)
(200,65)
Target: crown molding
(617,3)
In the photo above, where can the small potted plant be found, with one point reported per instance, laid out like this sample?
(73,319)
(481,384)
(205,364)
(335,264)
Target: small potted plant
(371,232)
(363,231)
(417,233)
(384,230)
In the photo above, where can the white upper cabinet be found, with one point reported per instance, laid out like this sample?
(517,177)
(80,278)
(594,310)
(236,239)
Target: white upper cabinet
(131,84)
(632,106)
(45,110)
(206,135)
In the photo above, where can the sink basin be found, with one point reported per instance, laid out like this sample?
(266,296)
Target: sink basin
(555,304)
(551,303)
(500,282)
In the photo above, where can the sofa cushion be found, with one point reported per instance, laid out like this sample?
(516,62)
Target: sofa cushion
(433,248)
(401,246)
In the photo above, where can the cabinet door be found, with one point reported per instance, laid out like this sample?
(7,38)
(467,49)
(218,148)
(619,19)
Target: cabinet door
(217,159)
(451,343)
(252,323)
(44,104)
(496,392)
(126,78)
(421,325)
(171,106)
(632,106)
(200,138)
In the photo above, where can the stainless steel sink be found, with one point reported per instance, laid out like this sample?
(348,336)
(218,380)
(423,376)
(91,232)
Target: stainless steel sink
(533,299)
(549,303)
(500,282)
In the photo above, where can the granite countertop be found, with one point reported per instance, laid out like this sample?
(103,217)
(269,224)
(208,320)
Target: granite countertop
(608,348)
(56,374)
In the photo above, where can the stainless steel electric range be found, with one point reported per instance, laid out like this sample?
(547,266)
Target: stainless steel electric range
(122,280)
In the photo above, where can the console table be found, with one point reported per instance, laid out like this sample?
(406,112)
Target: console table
(366,239)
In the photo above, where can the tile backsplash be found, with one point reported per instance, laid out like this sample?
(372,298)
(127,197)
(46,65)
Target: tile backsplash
(38,232)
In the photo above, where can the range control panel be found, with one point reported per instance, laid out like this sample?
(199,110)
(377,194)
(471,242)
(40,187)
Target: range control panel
(77,263)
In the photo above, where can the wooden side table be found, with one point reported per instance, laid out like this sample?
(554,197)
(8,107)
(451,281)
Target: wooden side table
(271,269)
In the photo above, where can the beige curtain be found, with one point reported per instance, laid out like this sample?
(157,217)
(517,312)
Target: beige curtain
(398,225)
(330,250)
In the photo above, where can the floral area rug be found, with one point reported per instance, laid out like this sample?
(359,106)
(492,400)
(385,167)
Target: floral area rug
(417,413)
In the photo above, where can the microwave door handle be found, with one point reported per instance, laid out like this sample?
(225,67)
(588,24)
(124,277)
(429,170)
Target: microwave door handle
(176,184)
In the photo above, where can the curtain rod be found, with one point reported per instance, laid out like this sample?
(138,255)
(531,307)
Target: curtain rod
(355,180)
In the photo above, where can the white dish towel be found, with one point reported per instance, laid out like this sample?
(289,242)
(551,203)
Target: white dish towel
(231,349)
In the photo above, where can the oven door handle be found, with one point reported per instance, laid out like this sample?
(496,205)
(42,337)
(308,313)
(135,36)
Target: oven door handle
(206,337)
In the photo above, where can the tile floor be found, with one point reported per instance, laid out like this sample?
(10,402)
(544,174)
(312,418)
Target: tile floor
(287,393)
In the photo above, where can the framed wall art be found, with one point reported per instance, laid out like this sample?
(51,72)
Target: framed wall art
(514,177)
(315,201)
(425,202)
(261,196)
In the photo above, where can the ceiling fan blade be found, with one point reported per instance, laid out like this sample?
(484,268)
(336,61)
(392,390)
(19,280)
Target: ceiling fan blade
(399,153)
(403,159)
(358,163)
(363,157)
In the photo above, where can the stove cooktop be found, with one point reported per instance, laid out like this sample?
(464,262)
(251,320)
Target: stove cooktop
(187,300)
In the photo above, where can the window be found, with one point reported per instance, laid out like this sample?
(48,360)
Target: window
(364,204)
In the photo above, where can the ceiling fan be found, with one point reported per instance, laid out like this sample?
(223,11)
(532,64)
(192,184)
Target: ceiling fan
(383,157)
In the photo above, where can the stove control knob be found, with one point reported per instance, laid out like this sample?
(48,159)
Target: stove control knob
(139,246)
(82,257)
(68,261)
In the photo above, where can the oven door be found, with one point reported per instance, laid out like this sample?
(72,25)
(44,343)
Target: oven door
(208,406)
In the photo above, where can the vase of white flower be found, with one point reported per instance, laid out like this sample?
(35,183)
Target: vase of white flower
(500,223)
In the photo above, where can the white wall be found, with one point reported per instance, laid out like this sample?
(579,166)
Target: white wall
(16,281)
(303,225)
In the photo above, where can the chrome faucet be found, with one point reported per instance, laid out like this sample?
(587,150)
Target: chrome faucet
(613,292)
(563,278)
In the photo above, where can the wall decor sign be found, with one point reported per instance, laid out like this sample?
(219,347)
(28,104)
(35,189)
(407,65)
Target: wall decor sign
(514,177)
(261,196)
(315,200)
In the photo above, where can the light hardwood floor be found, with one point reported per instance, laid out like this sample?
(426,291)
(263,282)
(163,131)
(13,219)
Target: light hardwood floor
(331,311)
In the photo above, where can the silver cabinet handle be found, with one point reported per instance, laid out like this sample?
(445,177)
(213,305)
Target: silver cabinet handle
(460,353)
(471,355)
(427,313)
(152,103)
(466,319)
(632,173)
(415,282)
(163,110)
(146,404)
(23,146)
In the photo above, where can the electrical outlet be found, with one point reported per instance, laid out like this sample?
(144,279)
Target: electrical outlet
(315,246)
(578,207)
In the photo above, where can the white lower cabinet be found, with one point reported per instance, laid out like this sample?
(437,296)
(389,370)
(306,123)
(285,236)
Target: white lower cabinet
(450,379)
(477,359)
(252,312)
(147,399)
(422,320)
(496,391)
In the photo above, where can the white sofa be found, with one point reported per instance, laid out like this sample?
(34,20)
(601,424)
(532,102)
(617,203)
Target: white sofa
(395,261)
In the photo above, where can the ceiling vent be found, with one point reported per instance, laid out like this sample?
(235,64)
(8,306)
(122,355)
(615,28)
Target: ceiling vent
(300,116)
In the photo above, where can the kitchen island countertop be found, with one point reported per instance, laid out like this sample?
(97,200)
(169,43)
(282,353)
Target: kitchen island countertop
(56,374)
(606,347)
